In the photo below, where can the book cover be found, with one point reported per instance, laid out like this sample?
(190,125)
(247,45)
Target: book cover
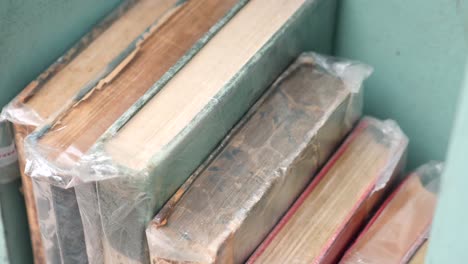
(332,209)
(268,159)
(403,222)
(52,211)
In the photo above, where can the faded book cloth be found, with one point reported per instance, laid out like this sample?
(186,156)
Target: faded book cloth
(335,205)
(402,224)
(265,162)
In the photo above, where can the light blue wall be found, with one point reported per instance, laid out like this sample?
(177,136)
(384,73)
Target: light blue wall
(418,50)
(33,33)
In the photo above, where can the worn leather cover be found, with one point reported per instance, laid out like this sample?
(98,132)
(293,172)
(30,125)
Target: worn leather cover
(239,196)
(400,226)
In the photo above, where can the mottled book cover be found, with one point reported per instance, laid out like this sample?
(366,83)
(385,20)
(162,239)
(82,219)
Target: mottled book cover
(266,162)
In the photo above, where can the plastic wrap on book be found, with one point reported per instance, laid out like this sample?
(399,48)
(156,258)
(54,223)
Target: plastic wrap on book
(75,167)
(236,196)
(328,214)
(52,210)
(402,224)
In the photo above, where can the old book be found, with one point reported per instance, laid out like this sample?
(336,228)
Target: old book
(254,177)
(420,255)
(96,55)
(402,224)
(152,148)
(336,204)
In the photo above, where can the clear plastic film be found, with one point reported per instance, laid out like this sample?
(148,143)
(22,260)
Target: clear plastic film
(330,211)
(402,223)
(231,202)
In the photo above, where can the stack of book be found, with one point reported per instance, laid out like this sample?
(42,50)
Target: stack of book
(184,132)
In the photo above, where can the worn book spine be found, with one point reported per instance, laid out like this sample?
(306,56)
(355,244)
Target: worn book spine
(402,223)
(55,224)
(328,214)
(251,179)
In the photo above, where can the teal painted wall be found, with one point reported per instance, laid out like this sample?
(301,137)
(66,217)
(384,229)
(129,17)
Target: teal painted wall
(418,50)
(449,237)
(33,33)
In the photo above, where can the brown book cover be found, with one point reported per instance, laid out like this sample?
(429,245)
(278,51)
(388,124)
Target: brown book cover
(402,223)
(265,163)
(329,213)
(140,32)
(54,91)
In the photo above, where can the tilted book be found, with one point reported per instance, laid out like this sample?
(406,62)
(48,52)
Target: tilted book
(53,211)
(267,160)
(79,77)
(403,222)
(124,171)
(330,212)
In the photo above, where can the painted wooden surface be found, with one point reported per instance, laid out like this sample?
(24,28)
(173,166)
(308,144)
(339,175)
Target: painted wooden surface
(418,49)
